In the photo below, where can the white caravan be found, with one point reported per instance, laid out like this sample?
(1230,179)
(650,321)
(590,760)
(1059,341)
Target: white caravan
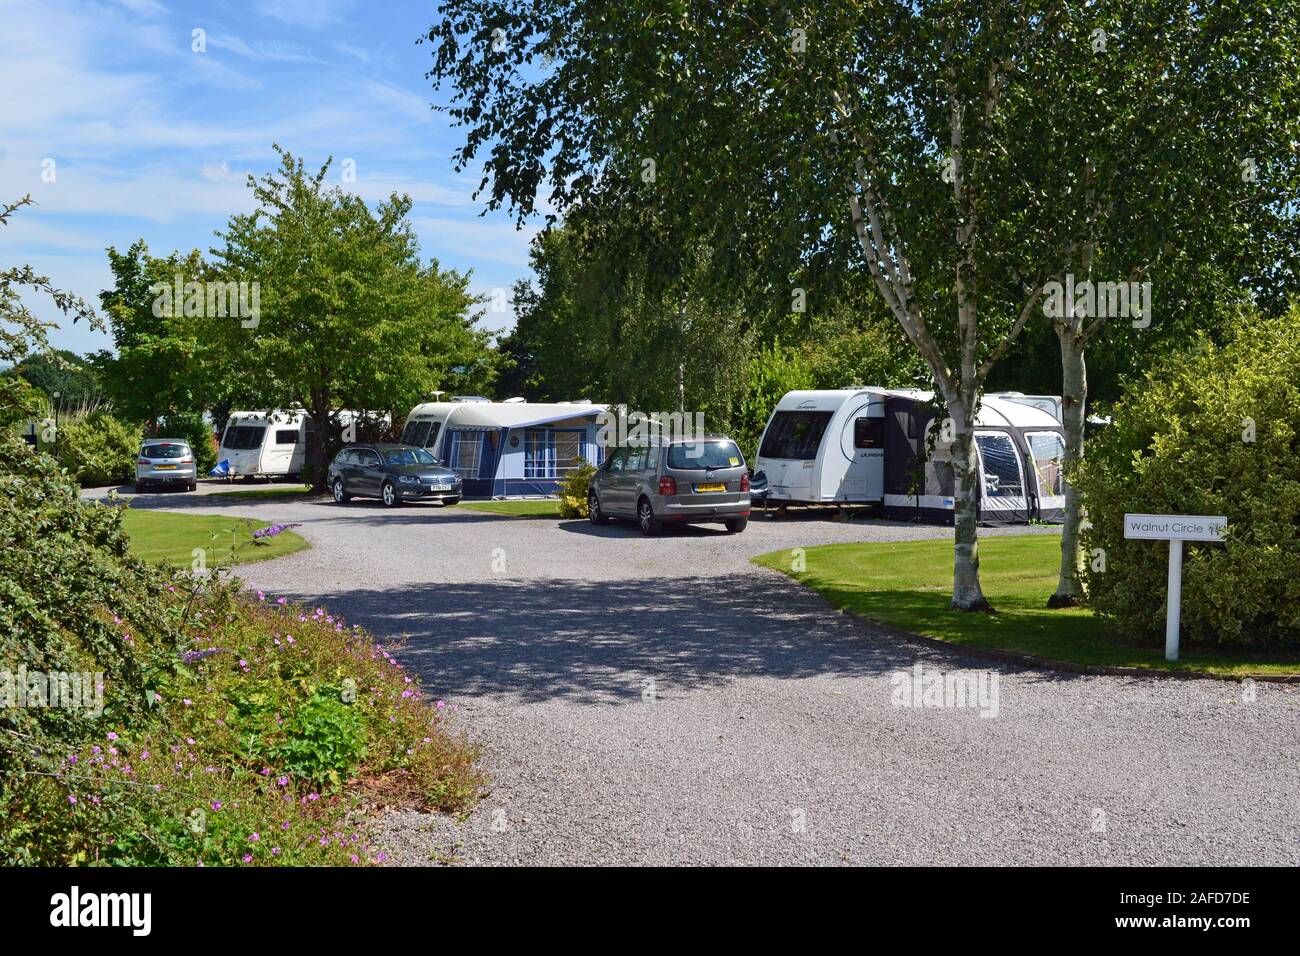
(257,443)
(868,446)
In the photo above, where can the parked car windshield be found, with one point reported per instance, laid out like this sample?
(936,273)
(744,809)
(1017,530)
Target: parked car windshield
(243,437)
(409,456)
(164,450)
(794,435)
(705,454)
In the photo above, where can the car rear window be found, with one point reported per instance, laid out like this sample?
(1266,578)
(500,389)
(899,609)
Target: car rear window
(705,454)
(794,435)
(165,450)
(243,437)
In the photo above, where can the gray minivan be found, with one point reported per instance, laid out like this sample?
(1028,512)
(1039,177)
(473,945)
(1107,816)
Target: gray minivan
(700,480)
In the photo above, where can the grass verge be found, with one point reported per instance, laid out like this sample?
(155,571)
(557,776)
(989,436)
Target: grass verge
(908,585)
(279,491)
(528,508)
(170,538)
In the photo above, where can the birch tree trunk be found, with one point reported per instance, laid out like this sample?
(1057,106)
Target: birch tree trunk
(967,595)
(1074,394)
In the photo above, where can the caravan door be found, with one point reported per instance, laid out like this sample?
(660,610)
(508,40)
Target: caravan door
(1003,498)
(1047,451)
(862,443)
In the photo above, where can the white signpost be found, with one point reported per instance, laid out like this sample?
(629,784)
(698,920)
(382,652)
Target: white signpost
(1175,529)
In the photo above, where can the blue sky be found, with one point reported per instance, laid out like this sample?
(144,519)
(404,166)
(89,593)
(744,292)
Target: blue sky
(152,140)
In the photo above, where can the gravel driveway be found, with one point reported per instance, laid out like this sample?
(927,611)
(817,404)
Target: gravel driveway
(663,701)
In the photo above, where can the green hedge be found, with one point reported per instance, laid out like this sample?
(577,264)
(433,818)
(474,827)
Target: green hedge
(99,450)
(1216,431)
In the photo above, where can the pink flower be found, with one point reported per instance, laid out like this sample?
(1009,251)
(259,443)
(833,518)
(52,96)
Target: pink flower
(112,735)
(282,781)
(248,858)
(216,804)
(72,799)
(254,837)
(275,851)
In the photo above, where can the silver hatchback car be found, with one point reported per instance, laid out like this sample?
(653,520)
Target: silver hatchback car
(691,481)
(163,462)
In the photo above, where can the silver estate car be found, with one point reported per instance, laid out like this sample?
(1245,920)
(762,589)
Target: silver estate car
(701,480)
(163,462)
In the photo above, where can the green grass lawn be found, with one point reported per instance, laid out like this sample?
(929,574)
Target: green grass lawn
(908,585)
(171,538)
(530,508)
(279,491)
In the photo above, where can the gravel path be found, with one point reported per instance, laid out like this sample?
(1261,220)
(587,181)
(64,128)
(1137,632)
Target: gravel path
(663,701)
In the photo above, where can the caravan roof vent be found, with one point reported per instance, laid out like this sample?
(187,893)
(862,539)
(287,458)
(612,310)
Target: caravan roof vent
(515,401)
(469,398)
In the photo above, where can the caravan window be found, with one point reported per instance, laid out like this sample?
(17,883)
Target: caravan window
(417,433)
(286,436)
(868,433)
(1001,467)
(243,437)
(466,448)
(794,435)
(1047,450)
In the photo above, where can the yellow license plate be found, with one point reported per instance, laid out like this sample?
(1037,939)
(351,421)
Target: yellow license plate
(702,488)
(164,467)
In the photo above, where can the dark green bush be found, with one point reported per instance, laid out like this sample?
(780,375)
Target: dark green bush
(98,450)
(1214,431)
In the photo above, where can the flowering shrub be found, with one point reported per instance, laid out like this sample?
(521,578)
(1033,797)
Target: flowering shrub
(228,730)
(277,728)
(270,531)
(573,490)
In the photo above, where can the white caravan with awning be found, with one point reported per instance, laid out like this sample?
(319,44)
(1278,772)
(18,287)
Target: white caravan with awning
(509,449)
(868,446)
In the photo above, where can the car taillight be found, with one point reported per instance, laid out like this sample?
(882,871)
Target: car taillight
(667,486)
(143,461)
(744,482)
(187,461)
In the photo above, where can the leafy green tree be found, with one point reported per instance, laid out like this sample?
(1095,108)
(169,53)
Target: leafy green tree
(348,315)
(155,371)
(903,138)
(22,333)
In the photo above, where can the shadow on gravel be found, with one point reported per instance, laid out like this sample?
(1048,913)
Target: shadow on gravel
(598,642)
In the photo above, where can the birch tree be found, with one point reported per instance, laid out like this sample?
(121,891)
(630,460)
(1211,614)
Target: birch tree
(905,139)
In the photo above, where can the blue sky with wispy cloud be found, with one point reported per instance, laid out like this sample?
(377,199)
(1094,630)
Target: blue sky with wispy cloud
(152,140)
